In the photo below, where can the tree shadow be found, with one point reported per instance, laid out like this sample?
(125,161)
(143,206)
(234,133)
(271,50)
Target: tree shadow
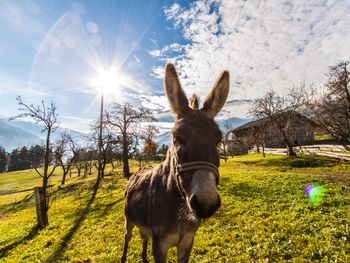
(24,203)
(242,190)
(33,232)
(104,210)
(57,254)
(299,161)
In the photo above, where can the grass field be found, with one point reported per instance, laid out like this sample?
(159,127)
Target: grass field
(265,216)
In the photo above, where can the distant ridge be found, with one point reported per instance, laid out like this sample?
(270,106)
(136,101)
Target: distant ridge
(20,133)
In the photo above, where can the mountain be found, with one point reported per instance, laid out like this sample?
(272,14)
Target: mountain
(234,122)
(20,133)
(12,137)
(163,138)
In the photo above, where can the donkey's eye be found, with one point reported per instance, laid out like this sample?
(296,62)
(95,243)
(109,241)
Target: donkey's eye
(179,140)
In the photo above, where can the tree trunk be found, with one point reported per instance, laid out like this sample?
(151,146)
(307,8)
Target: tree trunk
(65,172)
(125,157)
(290,151)
(85,168)
(126,170)
(43,200)
(42,204)
(64,178)
(263,150)
(90,167)
(41,210)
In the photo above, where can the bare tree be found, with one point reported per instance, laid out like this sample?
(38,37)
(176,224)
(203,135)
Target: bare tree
(48,117)
(279,112)
(126,121)
(150,146)
(65,153)
(107,141)
(330,106)
(225,141)
(260,137)
(149,132)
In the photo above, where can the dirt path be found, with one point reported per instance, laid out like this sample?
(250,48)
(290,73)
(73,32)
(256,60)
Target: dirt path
(322,150)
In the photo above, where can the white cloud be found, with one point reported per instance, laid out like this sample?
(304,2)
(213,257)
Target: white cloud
(264,44)
(158,72)
(134,63)
(165,51)
(92,27)
(154,102)
(172,11)
(22,18)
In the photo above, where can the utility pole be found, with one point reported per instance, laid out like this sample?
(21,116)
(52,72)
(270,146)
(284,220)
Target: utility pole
(99,174)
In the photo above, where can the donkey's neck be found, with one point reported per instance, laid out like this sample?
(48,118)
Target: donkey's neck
(169,168)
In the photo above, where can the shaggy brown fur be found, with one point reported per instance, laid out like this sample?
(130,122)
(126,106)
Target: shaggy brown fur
(161,201)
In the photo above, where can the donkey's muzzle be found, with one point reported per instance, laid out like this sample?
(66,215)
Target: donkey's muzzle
(201,210)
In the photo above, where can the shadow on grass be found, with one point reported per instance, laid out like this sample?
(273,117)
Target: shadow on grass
(299,161)
(57,254)
(242,190)
(33,232)
(27,201)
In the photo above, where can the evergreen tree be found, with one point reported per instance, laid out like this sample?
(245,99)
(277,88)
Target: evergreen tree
(13,162)
(3,160)
(23,159)
(35,155)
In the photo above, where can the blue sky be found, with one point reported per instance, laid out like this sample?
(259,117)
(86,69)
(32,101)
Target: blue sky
(55,49)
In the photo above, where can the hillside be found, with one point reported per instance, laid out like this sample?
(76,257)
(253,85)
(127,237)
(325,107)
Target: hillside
(265,216)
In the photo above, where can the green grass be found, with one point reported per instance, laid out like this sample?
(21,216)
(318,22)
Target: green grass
(322,137)
(336,151)
(265,216)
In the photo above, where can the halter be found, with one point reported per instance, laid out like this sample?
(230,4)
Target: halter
(196,165)
(190,166)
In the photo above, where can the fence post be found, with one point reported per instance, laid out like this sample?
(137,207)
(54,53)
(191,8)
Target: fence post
(40,206)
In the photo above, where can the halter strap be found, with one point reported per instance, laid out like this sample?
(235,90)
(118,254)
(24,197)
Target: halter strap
(196,165)
(189,166)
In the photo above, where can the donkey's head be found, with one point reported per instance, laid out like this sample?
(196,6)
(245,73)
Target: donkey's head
(195,139)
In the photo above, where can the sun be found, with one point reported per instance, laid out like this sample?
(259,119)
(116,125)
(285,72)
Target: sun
(111,81)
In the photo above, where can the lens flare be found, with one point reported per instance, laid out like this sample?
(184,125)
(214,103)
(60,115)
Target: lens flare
(315,194)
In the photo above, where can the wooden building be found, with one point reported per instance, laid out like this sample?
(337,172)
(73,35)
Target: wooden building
(298,128)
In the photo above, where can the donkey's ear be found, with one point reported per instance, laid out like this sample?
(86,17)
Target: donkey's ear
(217,97)
(176,96)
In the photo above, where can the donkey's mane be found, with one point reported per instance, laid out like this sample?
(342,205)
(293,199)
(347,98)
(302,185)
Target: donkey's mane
(194,102)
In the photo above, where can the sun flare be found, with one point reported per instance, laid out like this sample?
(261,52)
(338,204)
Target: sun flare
(111,81)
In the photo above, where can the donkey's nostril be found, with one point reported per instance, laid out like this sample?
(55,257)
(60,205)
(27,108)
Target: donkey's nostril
(194,203)
(201,210)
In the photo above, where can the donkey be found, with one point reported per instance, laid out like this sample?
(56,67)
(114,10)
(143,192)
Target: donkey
(168,202)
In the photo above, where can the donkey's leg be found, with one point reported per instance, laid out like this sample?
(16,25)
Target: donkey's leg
(184,248)
(129,226)
(144,237)
(159,250)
